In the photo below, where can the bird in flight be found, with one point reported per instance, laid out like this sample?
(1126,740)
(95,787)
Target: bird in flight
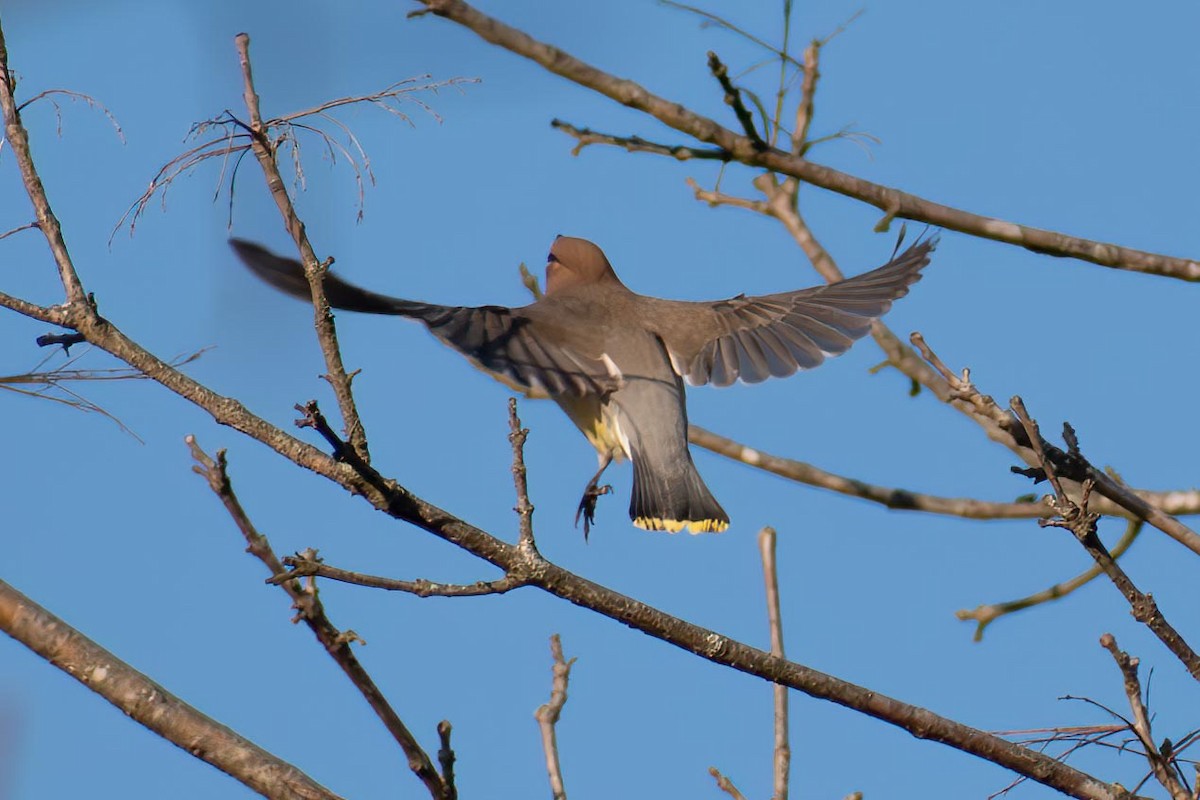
(615,361)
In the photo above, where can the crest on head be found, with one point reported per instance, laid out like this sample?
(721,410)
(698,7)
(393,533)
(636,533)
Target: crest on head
(576,262)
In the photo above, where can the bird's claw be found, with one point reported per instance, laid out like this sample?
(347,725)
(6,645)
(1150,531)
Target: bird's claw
(587,507)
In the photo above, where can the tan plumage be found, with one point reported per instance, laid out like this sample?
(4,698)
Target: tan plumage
(615,361)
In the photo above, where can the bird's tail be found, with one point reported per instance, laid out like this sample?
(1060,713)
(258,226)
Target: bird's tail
(287,275)
(671,496)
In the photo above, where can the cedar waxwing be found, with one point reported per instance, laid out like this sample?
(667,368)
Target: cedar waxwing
(615,361)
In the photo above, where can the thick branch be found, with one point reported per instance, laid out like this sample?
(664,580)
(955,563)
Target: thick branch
(892,201)
(149,704)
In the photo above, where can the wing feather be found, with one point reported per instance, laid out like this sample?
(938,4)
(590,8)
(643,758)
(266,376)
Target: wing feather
(753,338)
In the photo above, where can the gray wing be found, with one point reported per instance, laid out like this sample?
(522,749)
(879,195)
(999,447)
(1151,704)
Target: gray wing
(513,345)
(754,338)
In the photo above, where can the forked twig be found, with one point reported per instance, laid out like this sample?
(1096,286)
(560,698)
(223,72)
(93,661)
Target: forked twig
(311,611)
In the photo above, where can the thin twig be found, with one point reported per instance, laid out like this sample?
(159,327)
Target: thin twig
(733,99)
(524,508)
(1077,518)
(18,139)
(547,716)
(27,226)
(149,704)
(783,747)
(721,22)
(808,91)
(744,149)
(725,785)
(302,565)
(446,759)
(1160,762)
(636,144)
(985,615)
(891,497)
(311,611)
(314,269)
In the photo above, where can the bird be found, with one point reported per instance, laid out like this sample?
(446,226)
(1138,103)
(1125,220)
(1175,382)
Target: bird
(616,361)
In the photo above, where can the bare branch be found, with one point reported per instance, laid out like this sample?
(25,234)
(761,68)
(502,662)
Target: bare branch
(548,715)
(725,785)
(18,139)
(783,747)
(892,201)
(1005,428)
(149,704)
(311,611)
(808,91)
(721,22)
(715,198)
(49,96)
(27,226)
(446,759)
(1077,518)
(733,99)
(1160,762)
(314,269)
(895,498)
(524,508)
(360,479)
(985,615)
(305,564)
(636,144)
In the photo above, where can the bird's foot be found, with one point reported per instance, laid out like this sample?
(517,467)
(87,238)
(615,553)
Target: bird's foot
(587,506)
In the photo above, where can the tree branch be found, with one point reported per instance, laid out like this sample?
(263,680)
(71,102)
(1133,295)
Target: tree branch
(311,610)
(149,704)
(360,479)
(516,437)
(1005,428)
(1174,502)
(987,614)
(1160,763)
(314,269)
(783,747)
(893,202)
(1080,521)
(304,565)
(18,139)
(547,716)
(636,144)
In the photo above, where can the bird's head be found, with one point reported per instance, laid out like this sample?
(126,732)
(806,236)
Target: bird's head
(576,262)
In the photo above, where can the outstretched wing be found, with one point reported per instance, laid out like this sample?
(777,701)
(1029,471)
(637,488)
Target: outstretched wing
(512,345)
(754,338)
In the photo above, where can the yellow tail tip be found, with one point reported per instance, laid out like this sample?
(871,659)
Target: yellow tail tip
(676,525)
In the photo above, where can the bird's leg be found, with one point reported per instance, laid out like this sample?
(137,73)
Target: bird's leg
(591,493)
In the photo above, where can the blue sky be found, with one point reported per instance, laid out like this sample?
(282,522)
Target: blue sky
(1079,118)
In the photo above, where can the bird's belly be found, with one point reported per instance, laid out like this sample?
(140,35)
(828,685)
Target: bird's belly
(599,423)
